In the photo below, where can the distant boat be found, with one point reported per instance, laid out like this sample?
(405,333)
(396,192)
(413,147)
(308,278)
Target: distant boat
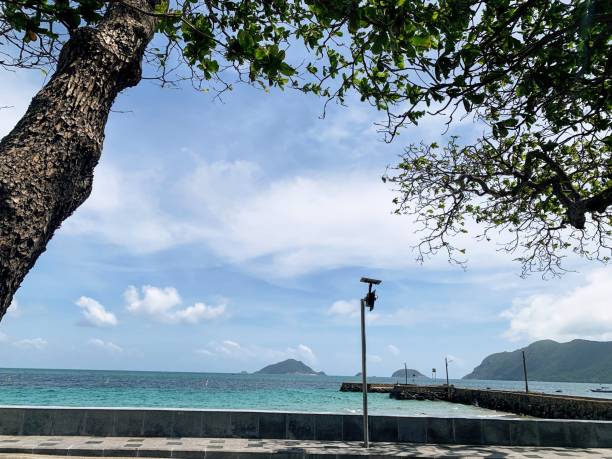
(602,390)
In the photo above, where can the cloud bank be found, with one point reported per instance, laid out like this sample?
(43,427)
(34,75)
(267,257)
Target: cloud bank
(582,312)
(163,305)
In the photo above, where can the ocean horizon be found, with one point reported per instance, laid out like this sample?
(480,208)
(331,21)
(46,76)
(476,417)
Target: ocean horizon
(237,391)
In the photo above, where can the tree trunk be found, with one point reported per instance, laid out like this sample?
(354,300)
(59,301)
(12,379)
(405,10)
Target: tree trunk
(47,160)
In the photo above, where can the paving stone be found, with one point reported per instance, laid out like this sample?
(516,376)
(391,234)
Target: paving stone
(240,448)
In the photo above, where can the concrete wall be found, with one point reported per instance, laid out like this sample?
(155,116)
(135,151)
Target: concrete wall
(301,426)
(534,404)
(548,406)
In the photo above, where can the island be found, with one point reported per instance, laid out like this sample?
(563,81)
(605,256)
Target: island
(547,360)
(412,373)
(289,367)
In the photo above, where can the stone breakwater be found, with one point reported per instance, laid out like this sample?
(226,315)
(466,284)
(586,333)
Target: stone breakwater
(376,388)
(403,391)
(529,404)
(536,404)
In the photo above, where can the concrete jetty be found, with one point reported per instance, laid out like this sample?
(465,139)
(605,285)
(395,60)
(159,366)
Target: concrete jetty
(534,404)
(374,387)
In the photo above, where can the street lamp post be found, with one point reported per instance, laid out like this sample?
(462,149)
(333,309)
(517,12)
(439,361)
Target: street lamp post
(368,301)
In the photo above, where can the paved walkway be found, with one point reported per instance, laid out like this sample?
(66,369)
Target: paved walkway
(237,448)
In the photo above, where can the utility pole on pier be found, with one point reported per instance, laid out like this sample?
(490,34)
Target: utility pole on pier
(406,372)
(448,391)
(525,373)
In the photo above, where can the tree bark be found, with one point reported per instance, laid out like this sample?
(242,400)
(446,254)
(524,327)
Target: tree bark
(47,160)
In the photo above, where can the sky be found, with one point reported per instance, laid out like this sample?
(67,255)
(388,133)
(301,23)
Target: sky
(223,235)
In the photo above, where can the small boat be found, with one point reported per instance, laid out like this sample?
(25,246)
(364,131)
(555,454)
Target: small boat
(602,390)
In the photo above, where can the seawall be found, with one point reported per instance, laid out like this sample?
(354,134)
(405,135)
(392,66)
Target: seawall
(536,404)
(108,422)
(530,404)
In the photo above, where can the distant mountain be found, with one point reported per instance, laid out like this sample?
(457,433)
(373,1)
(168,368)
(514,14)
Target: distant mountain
(412,373)
(547,360)
(288,367)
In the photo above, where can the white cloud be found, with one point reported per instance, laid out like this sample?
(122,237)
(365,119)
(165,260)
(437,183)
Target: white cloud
(105,345)
(124,210)
(337,219)
(162,305)
(393,349)
(582,312)
(343,309)
(236,351)
(3,337)
(204,352)
(95,314)
(374,358)
(31,343)
(231,347)
(303,353)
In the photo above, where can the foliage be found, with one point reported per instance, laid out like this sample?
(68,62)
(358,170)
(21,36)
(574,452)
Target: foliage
(537,74)
(534,73)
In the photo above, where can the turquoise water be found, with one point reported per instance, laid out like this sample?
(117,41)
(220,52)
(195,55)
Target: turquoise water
(228,391)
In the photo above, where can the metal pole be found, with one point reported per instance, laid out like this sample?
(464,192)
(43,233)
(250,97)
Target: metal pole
(525,373)
(364,385)
(406,372)
(447,384)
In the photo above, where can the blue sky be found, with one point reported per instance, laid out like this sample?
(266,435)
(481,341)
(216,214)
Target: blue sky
(227,235)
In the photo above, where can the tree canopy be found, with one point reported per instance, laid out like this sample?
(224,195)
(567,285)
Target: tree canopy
(535,74)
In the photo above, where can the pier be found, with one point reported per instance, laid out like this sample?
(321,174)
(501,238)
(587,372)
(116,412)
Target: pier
(374,388)
(533,404)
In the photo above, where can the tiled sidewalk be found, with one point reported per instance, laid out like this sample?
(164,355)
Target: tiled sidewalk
(237,448)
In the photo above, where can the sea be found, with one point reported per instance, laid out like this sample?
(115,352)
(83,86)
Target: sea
(297,393)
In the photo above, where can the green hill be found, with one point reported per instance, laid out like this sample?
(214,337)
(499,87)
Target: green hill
(412,373)
(547,360)
(288,367)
